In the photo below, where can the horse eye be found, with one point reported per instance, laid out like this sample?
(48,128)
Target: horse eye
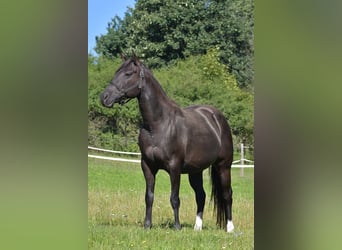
(129,73)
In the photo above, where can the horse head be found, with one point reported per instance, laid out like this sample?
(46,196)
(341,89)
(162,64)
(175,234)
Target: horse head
(126,83)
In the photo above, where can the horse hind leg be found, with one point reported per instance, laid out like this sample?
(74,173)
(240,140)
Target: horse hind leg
(196,182)
(222,195)
(227,197)
(230,225)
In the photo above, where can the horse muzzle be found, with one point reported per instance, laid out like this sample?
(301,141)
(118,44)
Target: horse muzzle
(107,100)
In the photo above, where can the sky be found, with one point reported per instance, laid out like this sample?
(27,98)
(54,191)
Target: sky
(100,13)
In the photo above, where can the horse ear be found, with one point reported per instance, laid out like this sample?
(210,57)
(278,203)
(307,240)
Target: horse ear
(135,58)
(124,57)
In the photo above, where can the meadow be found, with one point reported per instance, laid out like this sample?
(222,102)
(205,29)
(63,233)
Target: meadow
(116,210)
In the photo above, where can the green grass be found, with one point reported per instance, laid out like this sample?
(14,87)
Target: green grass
(116,210)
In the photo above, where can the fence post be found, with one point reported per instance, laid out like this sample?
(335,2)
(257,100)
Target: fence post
(242,160)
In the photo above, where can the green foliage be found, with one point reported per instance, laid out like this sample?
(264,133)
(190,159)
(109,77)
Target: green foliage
(162,32)
(198,79)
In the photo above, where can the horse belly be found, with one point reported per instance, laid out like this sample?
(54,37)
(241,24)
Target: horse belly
(201,155)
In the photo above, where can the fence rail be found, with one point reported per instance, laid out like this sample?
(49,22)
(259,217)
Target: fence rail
(241,161)
(112,151)
(113,159)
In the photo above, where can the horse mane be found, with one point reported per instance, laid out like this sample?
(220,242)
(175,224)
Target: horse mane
(149,74)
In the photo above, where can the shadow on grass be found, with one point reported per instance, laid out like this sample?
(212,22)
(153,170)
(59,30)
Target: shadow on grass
(165,224)
(170,224)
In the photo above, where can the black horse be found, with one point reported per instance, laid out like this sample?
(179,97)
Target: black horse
(180,141)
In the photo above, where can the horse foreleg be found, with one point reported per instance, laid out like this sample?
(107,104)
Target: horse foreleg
(149,194)
(174,198)
(196,182)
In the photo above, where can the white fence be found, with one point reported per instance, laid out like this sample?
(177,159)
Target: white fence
(236,164)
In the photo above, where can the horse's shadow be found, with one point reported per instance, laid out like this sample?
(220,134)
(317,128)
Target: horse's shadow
(165,224)
(170,224)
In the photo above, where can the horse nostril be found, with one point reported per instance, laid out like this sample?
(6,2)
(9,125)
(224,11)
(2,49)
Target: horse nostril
(105,96)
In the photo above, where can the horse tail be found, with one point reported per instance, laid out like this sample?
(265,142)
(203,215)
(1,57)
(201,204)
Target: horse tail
(217,197)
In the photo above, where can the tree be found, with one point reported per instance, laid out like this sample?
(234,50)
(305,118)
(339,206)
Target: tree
(164,31)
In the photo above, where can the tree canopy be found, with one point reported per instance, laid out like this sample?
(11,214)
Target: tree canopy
(164,31)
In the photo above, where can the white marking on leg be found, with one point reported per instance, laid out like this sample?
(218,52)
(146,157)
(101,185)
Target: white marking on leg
(198,224)
(230,226)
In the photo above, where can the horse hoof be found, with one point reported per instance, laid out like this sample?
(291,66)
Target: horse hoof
(178,227)
(147,226)
(230,227)
(198,224)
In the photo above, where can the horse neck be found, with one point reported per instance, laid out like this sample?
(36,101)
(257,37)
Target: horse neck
(155,106)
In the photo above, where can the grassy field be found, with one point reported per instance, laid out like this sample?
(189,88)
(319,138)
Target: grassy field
(116,210)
